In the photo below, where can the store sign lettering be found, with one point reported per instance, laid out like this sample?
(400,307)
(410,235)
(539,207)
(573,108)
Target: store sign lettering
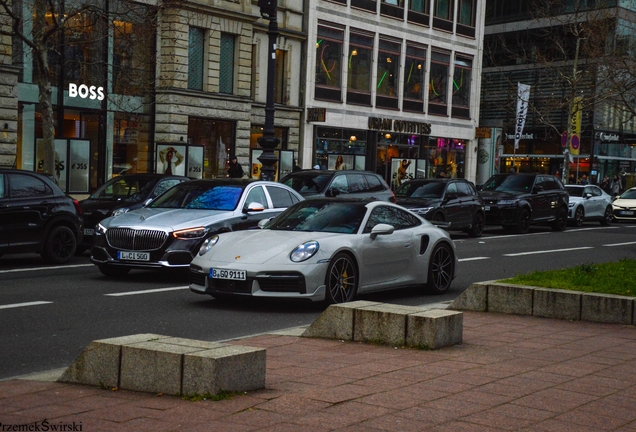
(83,91)
(608,137)
(385,124)
(521,136)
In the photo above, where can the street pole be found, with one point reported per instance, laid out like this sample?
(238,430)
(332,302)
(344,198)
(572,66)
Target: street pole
(269,141)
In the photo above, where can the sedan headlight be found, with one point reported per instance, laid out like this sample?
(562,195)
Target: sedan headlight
(571,204)
(422,210)
(507,202)
(120,211)
(207,245)
(304,251)
(190,233)
(100,229)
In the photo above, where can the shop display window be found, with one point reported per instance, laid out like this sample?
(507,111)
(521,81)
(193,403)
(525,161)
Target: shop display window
(328,63)
(217,138)
(414,83)
(388,73)
(461,87)
(359,68)
(438,83)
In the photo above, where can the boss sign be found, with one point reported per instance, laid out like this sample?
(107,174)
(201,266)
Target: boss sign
(83,91)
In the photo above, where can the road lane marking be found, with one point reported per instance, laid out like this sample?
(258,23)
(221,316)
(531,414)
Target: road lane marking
(17,305)
(507,236)
(473,259)
(620,244)
(548,251)
(591,229)
(46,268)
(147,291)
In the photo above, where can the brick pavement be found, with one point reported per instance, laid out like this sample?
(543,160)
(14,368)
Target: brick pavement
(511,373)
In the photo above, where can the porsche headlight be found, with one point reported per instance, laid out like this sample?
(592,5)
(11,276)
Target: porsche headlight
(207,245)
(304,251)
(100,229)
(507,202)
(120,211)
(190,233)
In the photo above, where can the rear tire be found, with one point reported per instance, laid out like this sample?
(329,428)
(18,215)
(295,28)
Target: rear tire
(523,222)
(113,271)
(441,269)
(478,225)
(608,216)
(561,222)
(60,245)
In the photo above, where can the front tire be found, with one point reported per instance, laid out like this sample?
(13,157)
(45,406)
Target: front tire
(578,217)
(341,280)
(561,221)
(441,269)
(113,271)
(523,222)
(608,216)
(60,245)
(478,225)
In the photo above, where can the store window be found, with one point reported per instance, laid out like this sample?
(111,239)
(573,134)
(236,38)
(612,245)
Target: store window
(461,87)
(216,138)
(195,58)
(359,68)
(328,63)
(256,132)
(226,63)
(443,14)
(280,82)
(414,83)
(130,143)
(466,17)
(388,74)
(338,148)
(438,83)
(446,155)
(419,11)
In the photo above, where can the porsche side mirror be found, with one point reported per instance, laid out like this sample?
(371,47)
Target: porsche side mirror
(254,207)
(381,229)
(148,201)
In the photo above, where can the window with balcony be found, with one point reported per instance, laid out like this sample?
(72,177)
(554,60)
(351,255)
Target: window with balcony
(414,83)
(419,12)
(359,68)
(328,63)
(388,74)
(461,87)
(438,83)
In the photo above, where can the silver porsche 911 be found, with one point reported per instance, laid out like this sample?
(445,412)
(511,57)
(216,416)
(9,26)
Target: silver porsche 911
(327,249)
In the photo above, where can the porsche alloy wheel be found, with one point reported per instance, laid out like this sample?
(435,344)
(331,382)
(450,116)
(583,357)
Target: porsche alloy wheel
(342,280)
(441,269)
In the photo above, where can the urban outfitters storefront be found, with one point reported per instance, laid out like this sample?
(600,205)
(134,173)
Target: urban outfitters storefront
(399,150)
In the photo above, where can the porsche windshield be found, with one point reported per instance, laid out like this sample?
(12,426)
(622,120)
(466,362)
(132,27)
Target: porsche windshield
(509,183)
(200,197)
(321,216)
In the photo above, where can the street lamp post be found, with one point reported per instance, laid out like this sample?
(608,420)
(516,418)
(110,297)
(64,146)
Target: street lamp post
(269,141)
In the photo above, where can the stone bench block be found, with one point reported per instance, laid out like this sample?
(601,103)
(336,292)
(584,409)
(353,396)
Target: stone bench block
(607,308)
(434,329)
(474,298)
(336,322)
(382,323)
(512,299)
(556,303)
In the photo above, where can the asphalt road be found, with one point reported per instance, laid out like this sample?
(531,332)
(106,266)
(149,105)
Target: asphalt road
(49,314)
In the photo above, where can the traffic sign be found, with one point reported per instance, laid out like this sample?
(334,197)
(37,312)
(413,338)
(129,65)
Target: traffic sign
(575,142)
(564,139)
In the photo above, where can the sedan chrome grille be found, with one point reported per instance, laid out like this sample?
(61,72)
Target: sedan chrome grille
(136,240)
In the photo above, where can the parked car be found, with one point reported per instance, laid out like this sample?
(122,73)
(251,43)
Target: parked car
(120,195)
(36,216)
(624,207)
(168,232)
(589,203)
(452,201)
(327,249)
(516,201)
(331,183)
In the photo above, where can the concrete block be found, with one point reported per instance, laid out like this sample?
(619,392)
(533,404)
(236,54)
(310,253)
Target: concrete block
(152,367)
(336,322)
(228,367)
(474,298)
(382,323)
(434,329)
(556,303)
(607,308)
(512,299)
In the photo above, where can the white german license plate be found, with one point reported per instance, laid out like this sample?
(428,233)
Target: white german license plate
(626,212)
(227,274)
(486,208)
(89,231)
(133,256)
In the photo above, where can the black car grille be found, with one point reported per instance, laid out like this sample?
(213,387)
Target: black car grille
(137,240)
(231,286)
(283,282)
(197,278)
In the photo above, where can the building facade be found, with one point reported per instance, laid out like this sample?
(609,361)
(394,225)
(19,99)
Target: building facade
(393,86)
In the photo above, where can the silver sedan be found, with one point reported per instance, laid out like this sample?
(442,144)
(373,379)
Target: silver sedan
(329,250)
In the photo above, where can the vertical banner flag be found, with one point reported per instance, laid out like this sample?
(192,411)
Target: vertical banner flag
(575,142)
(523,95)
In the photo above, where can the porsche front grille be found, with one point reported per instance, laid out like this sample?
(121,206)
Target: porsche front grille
(136,240)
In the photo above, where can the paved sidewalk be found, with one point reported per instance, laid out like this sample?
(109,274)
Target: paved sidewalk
(511,373)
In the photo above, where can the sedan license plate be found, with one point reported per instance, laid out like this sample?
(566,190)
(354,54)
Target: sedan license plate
(89,231)
(486,208)
(626,212)
(227,274)
(133,256)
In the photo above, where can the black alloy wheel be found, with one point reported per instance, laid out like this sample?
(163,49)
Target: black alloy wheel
(608,216)
(342,279)
(561,221)
(478,225)
(578,216)
(441,269)
(113,271)
(523,222)
(60,245)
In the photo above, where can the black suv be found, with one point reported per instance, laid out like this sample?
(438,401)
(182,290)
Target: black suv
(331,183)
(516,201)
(36,216)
